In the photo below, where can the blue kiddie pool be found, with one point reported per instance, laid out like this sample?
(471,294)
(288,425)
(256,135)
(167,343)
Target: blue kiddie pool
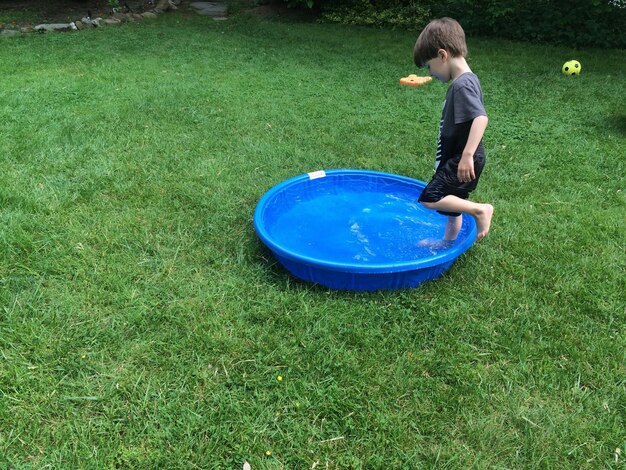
(357,230)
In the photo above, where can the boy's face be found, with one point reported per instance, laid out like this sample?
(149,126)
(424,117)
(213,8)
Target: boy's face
(439,67)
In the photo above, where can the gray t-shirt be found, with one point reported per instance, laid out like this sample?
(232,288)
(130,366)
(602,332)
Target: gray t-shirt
(463,104)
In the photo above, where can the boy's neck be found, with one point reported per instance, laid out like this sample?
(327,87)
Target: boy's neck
(458,66)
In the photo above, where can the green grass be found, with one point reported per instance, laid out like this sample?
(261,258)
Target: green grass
(143,325)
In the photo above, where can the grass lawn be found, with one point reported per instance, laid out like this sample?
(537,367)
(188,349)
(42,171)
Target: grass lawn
(143,325)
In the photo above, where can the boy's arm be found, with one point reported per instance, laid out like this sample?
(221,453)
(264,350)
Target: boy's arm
(465,172)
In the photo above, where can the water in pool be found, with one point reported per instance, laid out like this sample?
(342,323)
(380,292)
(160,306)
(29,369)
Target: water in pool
(362,227)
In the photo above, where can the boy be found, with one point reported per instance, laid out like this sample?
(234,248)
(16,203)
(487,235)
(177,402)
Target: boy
(460,154)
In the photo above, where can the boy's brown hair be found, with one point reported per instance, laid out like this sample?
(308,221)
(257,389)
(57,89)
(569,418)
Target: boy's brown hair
(444,33)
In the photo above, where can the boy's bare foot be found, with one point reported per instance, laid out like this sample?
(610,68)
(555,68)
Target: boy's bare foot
(483,220)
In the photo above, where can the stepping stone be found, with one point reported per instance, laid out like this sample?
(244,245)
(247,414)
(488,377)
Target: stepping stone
(88,22)
(214,9)
(56,27)
(9,32)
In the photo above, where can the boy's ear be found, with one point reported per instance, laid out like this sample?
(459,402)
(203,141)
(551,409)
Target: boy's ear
(442,54)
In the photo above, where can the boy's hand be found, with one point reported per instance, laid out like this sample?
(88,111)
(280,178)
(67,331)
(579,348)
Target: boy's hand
(465,172)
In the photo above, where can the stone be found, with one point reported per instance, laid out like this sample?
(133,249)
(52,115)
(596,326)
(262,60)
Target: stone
(86,23)
(213,13)
(91,23)
(79,25)
(112,22)
(137,16)
(45,28)
(214,9)
(9,32)
(163,5)
(201,5)
(148,14)
(27,29)
(120,16)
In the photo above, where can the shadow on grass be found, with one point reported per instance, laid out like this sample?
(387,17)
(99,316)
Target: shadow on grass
(279,277)
(617,122)
(283,281)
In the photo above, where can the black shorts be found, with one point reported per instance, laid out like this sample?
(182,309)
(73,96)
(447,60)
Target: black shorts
(446,183)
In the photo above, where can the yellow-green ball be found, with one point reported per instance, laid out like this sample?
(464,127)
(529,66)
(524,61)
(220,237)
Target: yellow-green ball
(571,67)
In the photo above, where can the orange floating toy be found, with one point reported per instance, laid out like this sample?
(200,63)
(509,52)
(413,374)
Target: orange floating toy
(414,80)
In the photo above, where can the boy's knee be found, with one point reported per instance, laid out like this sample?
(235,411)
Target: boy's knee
(430,205)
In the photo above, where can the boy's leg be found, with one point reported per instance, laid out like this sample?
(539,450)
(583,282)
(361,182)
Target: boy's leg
(453,227)
(481,212)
